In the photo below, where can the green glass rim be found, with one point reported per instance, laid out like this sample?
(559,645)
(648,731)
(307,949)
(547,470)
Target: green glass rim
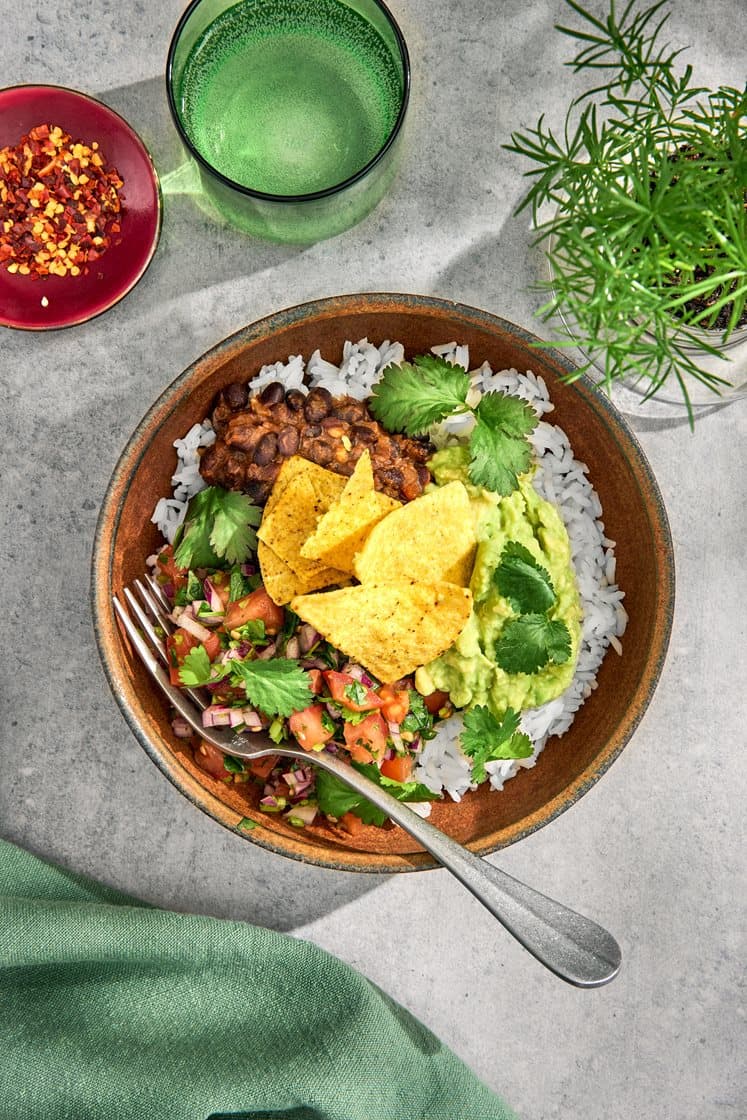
(328,192)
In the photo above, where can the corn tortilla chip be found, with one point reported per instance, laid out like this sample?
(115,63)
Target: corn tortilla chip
(390,628)
(282,583)
(431,538)
(342,530)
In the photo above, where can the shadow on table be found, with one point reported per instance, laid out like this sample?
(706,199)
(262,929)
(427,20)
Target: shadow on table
(500,270)
(196,251)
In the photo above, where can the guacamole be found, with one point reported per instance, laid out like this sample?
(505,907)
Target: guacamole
(467,671)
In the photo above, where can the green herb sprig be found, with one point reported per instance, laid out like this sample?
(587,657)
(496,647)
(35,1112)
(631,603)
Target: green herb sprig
(415,395)
(527,643)
(646,189)
(218,530)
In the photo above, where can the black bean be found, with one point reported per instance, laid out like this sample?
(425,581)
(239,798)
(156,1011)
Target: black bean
(317,404)
(320,453)
(288,439)
(311,431)
(235,396)
(295,399)
(272,393)
(266,449)
(362,434)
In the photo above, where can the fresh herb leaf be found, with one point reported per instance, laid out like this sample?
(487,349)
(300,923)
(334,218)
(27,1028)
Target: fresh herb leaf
(529,642)
(412,396)
(418,720)
(219,525)
(191,591)
(277,687)
(485,739)
(523,581)
(328,723)
(246,824)
(499,449)
(252,631)
(355,692)
(403,791)
(197,669)
(241,585)
(233,765)
(335,799)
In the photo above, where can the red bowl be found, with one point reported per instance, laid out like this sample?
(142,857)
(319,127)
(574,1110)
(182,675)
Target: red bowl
(75,299)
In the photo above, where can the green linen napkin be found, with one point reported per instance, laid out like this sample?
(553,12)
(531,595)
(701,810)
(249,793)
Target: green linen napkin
(113,1009)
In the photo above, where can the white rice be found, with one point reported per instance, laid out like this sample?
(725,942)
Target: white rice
(560,478)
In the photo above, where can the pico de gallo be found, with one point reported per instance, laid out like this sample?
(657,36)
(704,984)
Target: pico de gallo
(266,670)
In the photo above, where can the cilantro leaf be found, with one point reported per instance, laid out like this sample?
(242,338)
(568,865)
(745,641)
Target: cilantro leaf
(412,396)
(511,415)
(485,739)
(523,581)
(528,643)
(335,798)
(197,669)
(497,457)
(218,526)
(277,687)
(418,720)
(403,791)
(241,585)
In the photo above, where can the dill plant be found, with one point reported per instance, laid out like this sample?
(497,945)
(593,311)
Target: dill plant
(646,189)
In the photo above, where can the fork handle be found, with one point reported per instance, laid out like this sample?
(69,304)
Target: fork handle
(572,946)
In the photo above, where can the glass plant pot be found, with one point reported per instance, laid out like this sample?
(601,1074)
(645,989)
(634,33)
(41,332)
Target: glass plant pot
(292,112)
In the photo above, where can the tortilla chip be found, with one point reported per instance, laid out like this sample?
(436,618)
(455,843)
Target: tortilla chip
(390,628)
(431,538)
(342,530)
(282,583)
(301,495)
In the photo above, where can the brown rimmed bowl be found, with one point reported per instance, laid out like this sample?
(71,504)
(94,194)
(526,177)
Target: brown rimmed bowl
(634,517)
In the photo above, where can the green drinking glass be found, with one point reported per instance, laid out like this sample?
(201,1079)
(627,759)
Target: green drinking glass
(292,110)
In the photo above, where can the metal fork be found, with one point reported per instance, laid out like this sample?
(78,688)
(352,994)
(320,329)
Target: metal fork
(573,947)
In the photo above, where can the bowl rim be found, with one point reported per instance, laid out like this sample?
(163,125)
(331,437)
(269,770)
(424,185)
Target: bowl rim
(310,196)
(134,137)
(104,621)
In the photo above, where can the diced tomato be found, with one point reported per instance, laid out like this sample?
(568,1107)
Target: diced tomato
(258,605)
(210,759)
(261,767)
(435,701)
(316,681)
(398,768)
(166,570)
(341,685)
(396,703)
(308,728)
(351,823)
(179,644)
(366,740)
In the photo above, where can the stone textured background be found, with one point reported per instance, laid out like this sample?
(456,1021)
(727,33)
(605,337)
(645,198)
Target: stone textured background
(655,850)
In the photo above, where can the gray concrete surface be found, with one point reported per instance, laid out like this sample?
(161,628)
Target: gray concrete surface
(655,850)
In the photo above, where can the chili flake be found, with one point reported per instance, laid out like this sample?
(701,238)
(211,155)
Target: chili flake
(60,204)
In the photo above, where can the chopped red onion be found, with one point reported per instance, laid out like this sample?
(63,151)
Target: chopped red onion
(293,649)
(213,598)
(217,715)
(267,652)
(199,631)
(180,727)
(308,636)
(305,813)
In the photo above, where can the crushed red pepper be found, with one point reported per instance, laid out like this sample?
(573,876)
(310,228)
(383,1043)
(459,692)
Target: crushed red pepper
(60,204)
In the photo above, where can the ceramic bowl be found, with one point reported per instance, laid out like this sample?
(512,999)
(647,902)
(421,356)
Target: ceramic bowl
(30,303)
(634,517)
